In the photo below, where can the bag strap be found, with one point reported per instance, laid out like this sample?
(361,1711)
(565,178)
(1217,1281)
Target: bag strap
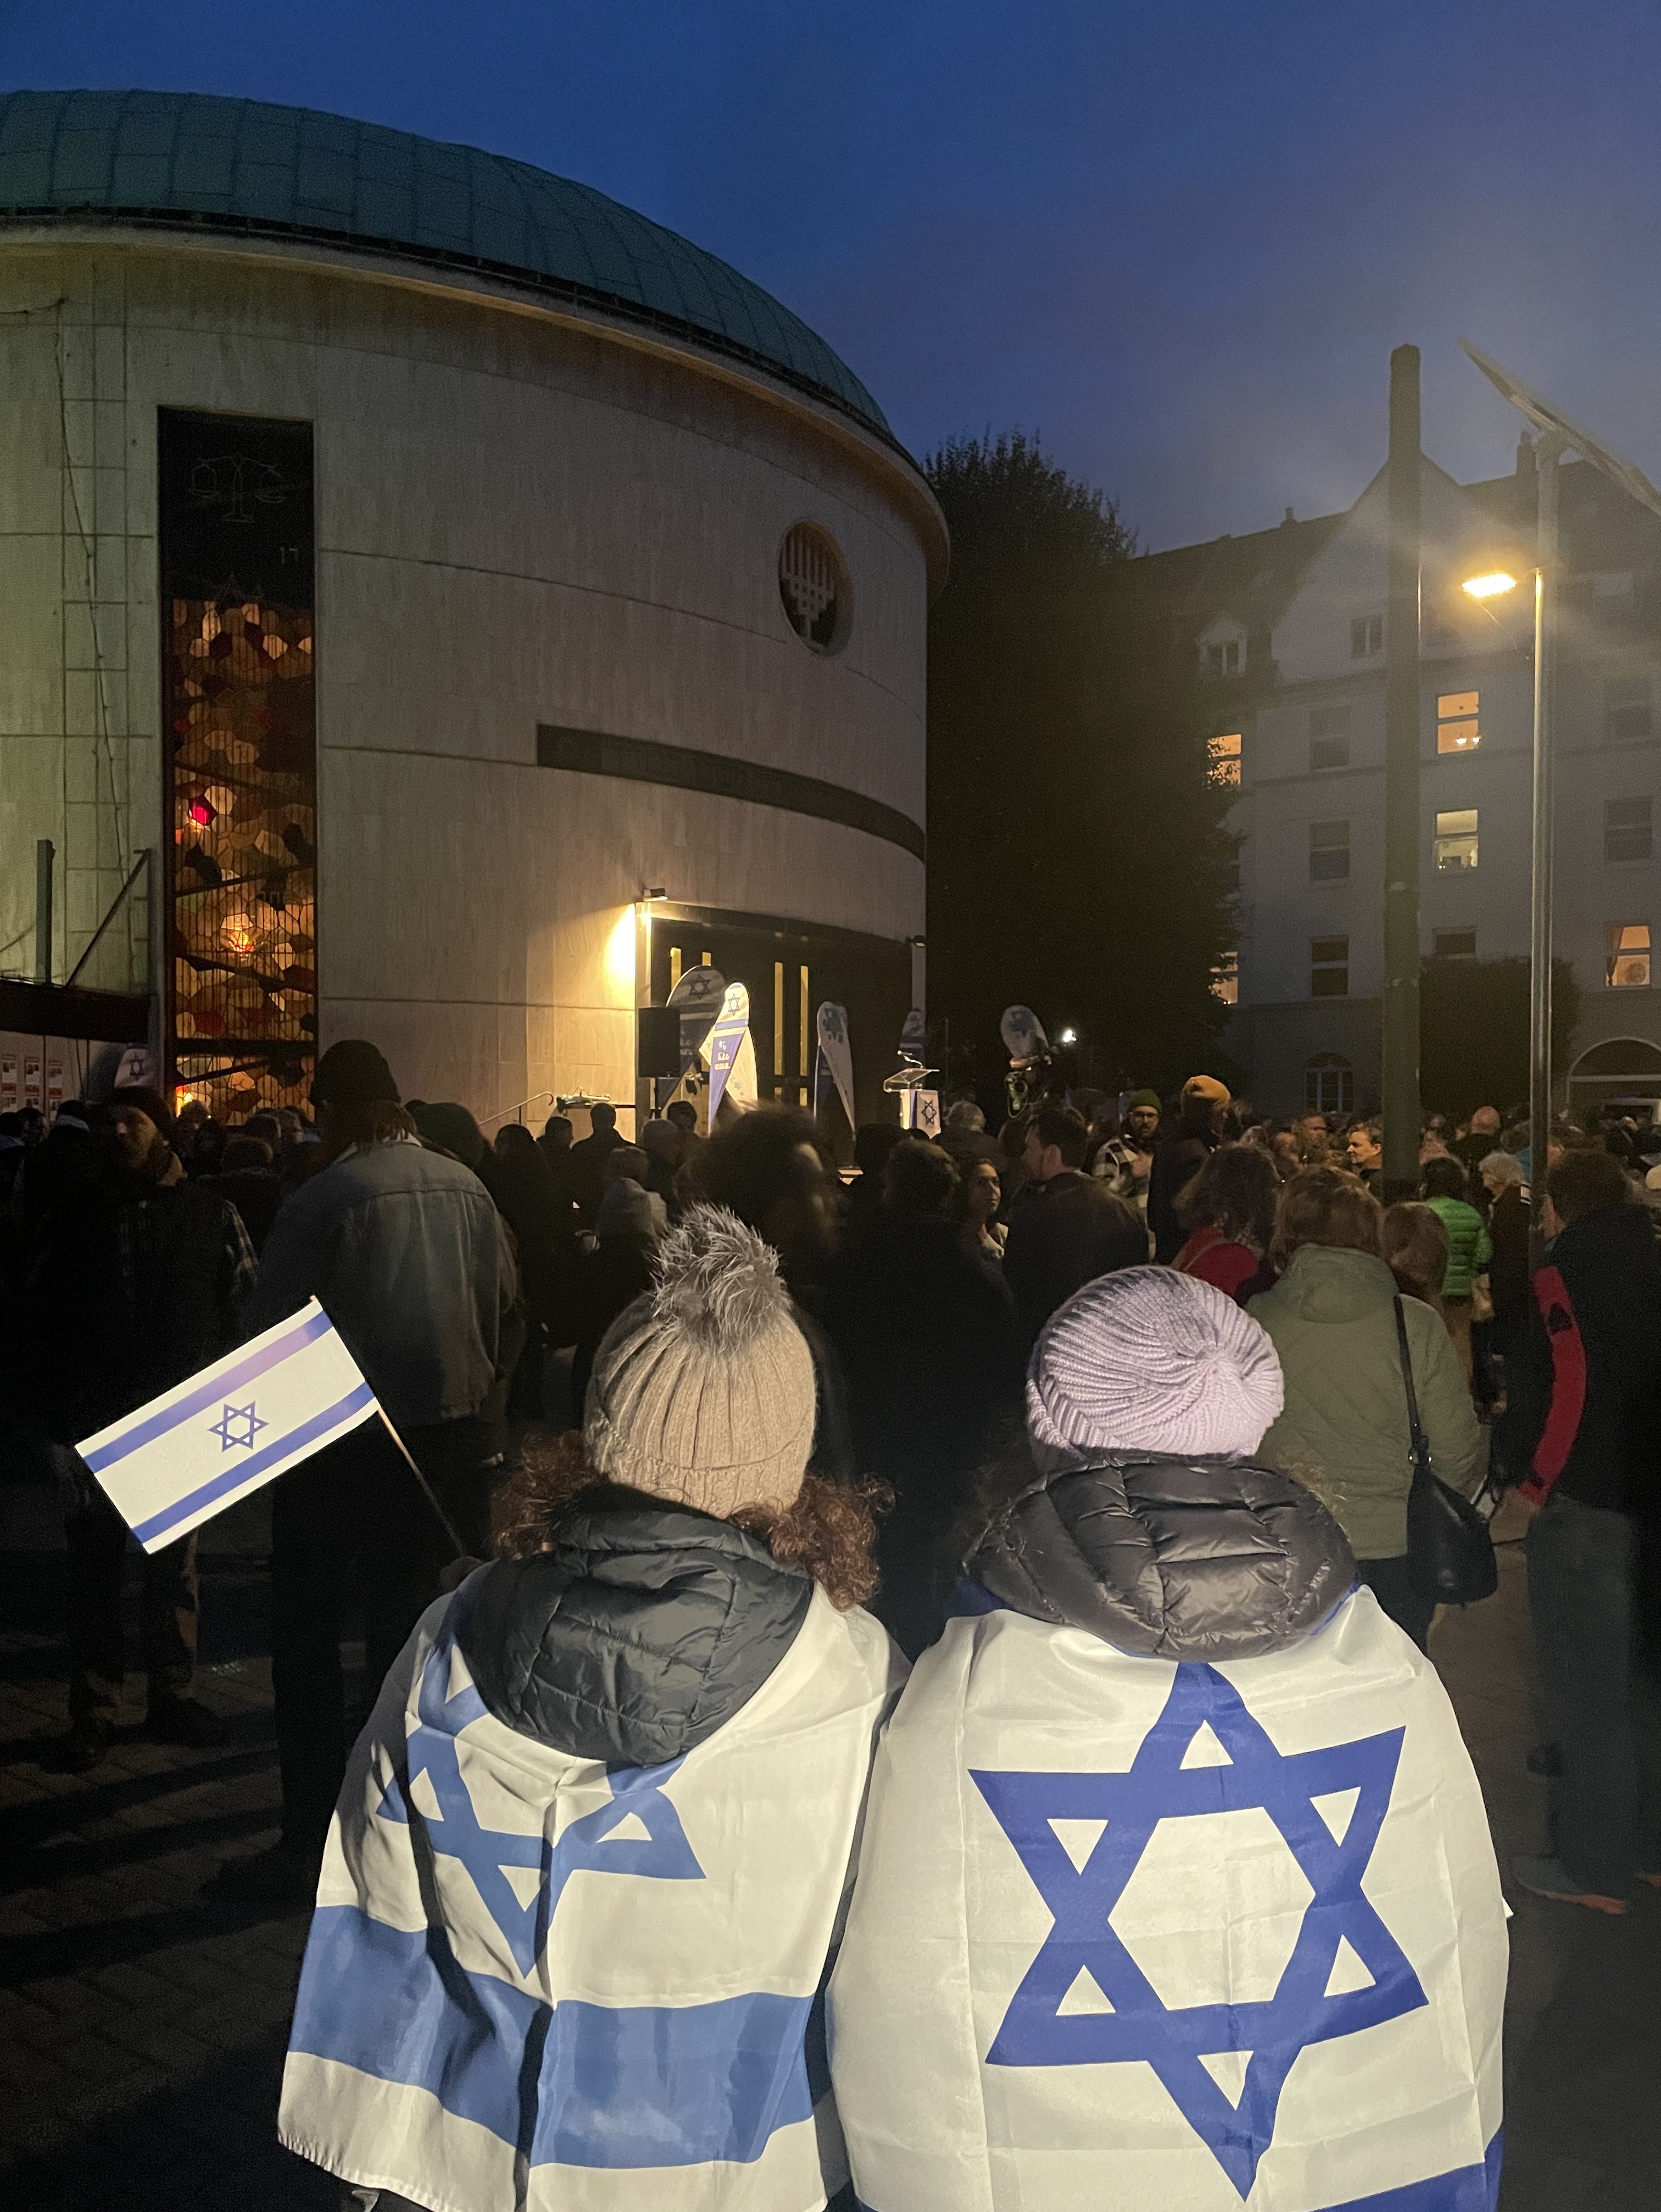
(1422,1466)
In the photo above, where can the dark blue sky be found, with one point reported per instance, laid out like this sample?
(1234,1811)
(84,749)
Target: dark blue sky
(1176,238)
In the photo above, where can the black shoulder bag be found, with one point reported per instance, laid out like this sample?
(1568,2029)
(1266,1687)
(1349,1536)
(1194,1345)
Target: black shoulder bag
(1450,1551)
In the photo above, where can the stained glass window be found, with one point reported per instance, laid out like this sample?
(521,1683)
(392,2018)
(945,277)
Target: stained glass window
(239,699)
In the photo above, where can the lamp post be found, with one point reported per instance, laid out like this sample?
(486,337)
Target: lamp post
(1547,455)
(1557,434)
(1402,681)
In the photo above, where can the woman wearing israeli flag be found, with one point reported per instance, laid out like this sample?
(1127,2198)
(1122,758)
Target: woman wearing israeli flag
(1176,1886)
(595,1845)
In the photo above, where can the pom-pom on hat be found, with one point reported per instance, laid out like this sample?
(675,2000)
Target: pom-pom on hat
(702,1391)
(1148,1360)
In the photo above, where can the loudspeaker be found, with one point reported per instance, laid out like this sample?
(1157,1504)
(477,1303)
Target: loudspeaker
(657,1041)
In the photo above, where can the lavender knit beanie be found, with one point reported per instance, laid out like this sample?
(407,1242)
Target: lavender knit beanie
(1148,1360)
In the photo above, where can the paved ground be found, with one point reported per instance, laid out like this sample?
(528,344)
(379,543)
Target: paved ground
(141,2030)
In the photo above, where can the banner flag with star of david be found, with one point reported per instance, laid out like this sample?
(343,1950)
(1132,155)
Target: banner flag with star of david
(1129,1932)
(228,1429)
(534,1980)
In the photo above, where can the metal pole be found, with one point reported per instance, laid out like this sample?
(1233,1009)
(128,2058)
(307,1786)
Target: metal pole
(1402,743)
(42,861)
(1547,454)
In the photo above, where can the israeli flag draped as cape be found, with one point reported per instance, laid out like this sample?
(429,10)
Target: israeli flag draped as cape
(1189,1937)
(531,1982)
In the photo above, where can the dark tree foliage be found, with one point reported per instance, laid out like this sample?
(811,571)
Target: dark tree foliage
(1474,1032)
(1077,860)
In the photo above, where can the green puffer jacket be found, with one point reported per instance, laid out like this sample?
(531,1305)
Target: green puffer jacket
(1345,1425)
(1469,1246)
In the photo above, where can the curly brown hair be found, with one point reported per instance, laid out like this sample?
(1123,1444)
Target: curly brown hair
(829,1527)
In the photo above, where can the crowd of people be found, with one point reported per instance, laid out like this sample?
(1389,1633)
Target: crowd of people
(1143,1367)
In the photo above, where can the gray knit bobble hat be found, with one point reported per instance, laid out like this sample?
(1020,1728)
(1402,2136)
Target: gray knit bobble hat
(1148,1360)
(702,1390)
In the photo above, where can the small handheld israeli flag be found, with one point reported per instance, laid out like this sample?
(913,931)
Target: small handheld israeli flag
(210,1440)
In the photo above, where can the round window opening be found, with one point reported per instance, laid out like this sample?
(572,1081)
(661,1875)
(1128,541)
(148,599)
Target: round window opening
(814,588)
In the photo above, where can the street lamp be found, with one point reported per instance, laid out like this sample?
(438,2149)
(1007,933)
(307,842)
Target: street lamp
(1494,586)
(1557,434)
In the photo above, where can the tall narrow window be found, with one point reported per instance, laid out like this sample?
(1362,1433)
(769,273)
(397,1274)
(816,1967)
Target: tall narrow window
(240,791)
(1455,845)
(1329,852)
(1330,1084)
(1626,955)
(1224,753)
(805,1064)
(778,1017)
(1366,637)
(1328,967)
(1458,728)
(674,965)
(1627,711)
(1328,738)
(1226,980)
(1627,830)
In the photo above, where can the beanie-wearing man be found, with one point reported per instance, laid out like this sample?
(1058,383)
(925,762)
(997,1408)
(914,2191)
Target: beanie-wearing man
(1176,1886)
(592,1851)
(1125,1163)
(134,1278)
(1178,1158)
(408,1257)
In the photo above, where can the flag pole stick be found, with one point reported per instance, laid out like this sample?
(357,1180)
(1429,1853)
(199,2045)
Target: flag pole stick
(426,1489)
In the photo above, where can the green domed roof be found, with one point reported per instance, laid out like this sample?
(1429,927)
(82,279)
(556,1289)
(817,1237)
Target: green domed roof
(191,160)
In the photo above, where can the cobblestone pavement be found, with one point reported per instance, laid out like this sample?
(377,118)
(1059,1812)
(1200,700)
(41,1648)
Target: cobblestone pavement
(141,2030)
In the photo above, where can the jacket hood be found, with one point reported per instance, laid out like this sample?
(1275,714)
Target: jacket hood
(643,1630)
(1168,1559)
(1323,1282)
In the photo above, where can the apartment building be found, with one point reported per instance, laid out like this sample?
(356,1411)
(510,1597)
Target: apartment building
(1289,628)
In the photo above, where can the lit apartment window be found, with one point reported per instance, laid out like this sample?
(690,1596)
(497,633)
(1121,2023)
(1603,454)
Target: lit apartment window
(1223,660)
(1455,847)
(1625,707)
(1626,955)
(1328,1084)
(1457,730)
(1367,636)
(1328,967)
(1454,944)
(1329,852)
(1225,756)
(1226,980)
(1627,829)
(1328,738)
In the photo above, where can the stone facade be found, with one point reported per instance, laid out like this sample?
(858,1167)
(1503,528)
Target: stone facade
(523,516)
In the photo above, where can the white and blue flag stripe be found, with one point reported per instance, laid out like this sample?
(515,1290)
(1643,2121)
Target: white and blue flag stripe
(535,1980)
(211,1439)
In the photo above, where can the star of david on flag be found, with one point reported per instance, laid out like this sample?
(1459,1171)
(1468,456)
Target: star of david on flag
(1328,1805)
(238,1426)
(639,1833)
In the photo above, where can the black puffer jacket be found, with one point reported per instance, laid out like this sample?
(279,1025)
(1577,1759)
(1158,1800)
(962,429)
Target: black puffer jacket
(1170,1559)
(642,1630)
